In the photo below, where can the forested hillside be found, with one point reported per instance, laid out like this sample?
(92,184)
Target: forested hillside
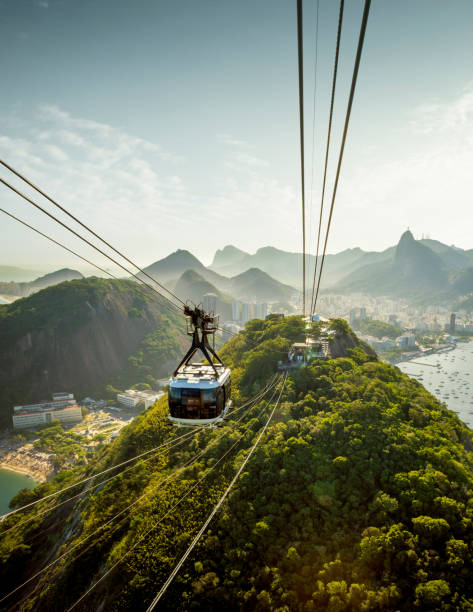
(82,335)
(359,497)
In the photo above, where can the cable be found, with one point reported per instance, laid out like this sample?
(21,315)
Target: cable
(301,126)
(141,282)
(364,23)
(88,242)
(153,527)
(332,100)
(84,480)
(312,165)
(176,442)
(58,243)
(75,546)
(64,210)
(216,508)
(165,445)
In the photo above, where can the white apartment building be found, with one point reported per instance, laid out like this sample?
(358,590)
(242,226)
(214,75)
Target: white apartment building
(63,408)
(132,397)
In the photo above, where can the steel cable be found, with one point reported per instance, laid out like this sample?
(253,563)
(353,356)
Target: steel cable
(329,132)
(364,23)
(64,210)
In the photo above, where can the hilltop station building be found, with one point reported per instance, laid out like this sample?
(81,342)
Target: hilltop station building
(63,408)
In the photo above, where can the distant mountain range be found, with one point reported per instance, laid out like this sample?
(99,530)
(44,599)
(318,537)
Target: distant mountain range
(18,275)
(419,269)
(413,268)
(23,289)
(250,285)
(287,267)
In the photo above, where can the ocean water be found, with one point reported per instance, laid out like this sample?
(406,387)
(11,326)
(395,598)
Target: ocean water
(448,376)
(10,484)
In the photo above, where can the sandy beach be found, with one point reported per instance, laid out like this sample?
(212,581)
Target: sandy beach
(24,459)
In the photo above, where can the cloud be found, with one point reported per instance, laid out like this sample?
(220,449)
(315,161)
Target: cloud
(227,139)
(438,118)
(125,187)
(250,160)
(427,183)
(43,4)
(141,197)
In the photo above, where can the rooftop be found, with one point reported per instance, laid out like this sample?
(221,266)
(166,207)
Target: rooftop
(197,372)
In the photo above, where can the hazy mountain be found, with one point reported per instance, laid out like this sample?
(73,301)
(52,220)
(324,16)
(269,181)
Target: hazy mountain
(17,275)
(286,267)
(412,269)
(228,256)
(461,281)
(53,278)
(256,285)
(252,285)
(83,333)
(453,257)
(174,265)
(192,286)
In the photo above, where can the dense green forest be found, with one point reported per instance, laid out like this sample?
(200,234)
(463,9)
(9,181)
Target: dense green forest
(359,497)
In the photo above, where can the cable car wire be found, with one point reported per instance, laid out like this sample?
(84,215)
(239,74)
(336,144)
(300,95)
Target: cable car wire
(217,506)
(164,446)
(329,132)
(161,483)
(58,243)
(312,165)
(63,246)
(364,23)
(161,519)
(301,128)
(64,210)
(176,442)
(36,205)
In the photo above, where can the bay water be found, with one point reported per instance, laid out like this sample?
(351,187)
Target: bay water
(448,376)
(10,483)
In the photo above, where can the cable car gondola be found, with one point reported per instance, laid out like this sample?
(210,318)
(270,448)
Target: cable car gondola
(199,393)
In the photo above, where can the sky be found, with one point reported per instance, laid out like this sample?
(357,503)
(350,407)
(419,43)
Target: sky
(170,125)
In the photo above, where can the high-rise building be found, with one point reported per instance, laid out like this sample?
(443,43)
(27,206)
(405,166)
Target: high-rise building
(264,310)
(363,314)
(236,310)
(453,316)
(245,312)
(209,303)
(353,316)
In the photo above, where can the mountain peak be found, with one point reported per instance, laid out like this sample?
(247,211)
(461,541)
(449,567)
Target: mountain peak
(229,255)
(407,246)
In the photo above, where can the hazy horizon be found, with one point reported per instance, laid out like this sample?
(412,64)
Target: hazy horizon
(176,126)
(48,267)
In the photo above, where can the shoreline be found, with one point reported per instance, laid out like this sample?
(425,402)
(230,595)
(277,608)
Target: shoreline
(23,471)
(420,354)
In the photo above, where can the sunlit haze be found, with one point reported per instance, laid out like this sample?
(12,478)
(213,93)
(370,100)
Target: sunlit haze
(169,125)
